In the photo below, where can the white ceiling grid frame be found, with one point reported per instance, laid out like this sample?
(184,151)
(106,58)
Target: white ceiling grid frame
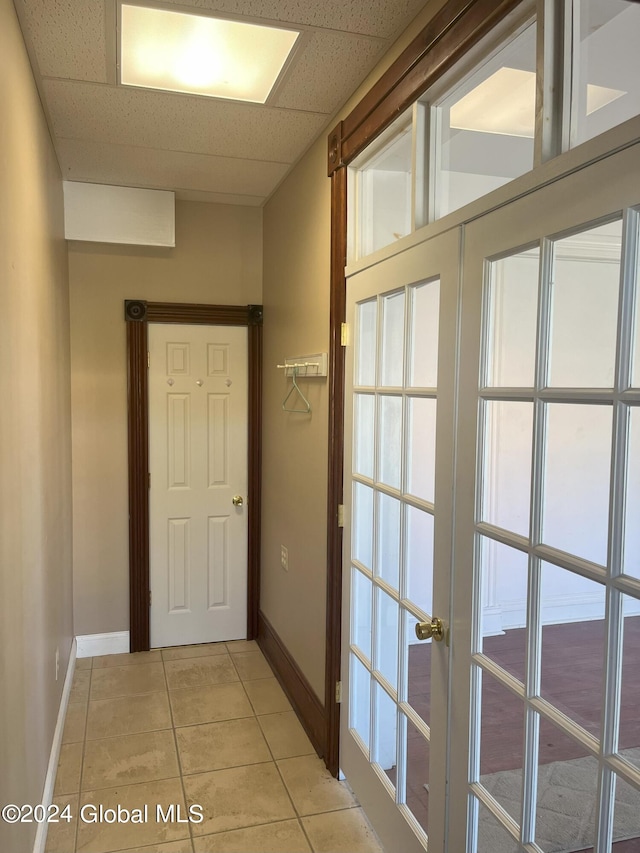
(223,151)
(152,119)
(142,167)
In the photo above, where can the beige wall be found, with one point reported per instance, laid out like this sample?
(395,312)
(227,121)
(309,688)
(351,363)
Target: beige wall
(297,239)
(35,445)
(217,259)
(296,300)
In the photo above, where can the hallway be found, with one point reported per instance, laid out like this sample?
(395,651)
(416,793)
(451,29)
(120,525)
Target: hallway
(196,725)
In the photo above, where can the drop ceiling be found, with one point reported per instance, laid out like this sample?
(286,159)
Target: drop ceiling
(203,148)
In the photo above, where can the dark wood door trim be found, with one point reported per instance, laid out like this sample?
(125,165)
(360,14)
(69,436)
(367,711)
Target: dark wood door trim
(138,314)
(335,474)
(458,26)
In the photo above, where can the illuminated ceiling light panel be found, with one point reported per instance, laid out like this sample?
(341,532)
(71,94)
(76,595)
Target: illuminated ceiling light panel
(505,103)
(199,55)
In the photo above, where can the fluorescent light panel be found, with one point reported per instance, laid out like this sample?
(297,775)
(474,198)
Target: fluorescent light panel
(201,55)
(505,103)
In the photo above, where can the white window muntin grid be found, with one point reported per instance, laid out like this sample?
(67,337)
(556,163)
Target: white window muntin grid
(407,608)
(619,398)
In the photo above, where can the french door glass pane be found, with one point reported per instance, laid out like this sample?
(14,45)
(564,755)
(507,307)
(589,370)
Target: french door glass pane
(502,744)
(388,553)
(367,342)
(390,441)
(507,472)
(394,432)
(419,557)
(393,340)
(492,836)
(577,472)
(417,794)
(607,83)
(485,126)
(567,774)
(417,687)
(503,634)
(360,699)
(362,544)
(629,740)
(423,359)
(513,300)
(584,307)
(386,727)
(631,542)
(421,450)
(364,423)
(572,610)
(387,615)
(626,815)
(361,598)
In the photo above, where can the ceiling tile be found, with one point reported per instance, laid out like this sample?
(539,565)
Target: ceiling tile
(176,122)
(382,18)
(328,70)
(68,37)
(126,165)
(137,137)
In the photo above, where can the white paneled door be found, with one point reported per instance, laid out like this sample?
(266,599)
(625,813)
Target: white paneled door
(198,487)
(491,481)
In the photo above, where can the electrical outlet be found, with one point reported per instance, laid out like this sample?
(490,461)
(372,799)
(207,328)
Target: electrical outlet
(284,558)
(57,662)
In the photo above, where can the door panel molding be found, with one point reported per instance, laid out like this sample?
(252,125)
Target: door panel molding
(138,314)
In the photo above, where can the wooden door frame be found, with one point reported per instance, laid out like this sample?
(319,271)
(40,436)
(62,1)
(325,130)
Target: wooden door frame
(453,31)
(138,314)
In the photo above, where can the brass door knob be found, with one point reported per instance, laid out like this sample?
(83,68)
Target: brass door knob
(237,500)
(430,630)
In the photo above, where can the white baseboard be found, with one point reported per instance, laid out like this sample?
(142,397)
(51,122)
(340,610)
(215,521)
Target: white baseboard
(90,645)
(54,756)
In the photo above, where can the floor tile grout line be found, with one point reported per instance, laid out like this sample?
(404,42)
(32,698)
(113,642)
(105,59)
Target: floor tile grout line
(295,809)
(254,714)
(251,705)
(93,790)
(125,695)
(249,826)
(84,746)
(130,734)
(175,740)
(284,784)
(121,785)
(164,649)
(100,667)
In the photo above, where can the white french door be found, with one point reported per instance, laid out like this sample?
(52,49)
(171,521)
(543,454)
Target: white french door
(400,381)
(547,599)
(522,463)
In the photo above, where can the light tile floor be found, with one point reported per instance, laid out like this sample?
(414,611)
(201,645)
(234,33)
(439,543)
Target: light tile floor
(194,726)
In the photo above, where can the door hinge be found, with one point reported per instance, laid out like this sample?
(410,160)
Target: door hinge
(148,359)
(344,334)
(149,480)
(149,598)
(340,515)
(338,692)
